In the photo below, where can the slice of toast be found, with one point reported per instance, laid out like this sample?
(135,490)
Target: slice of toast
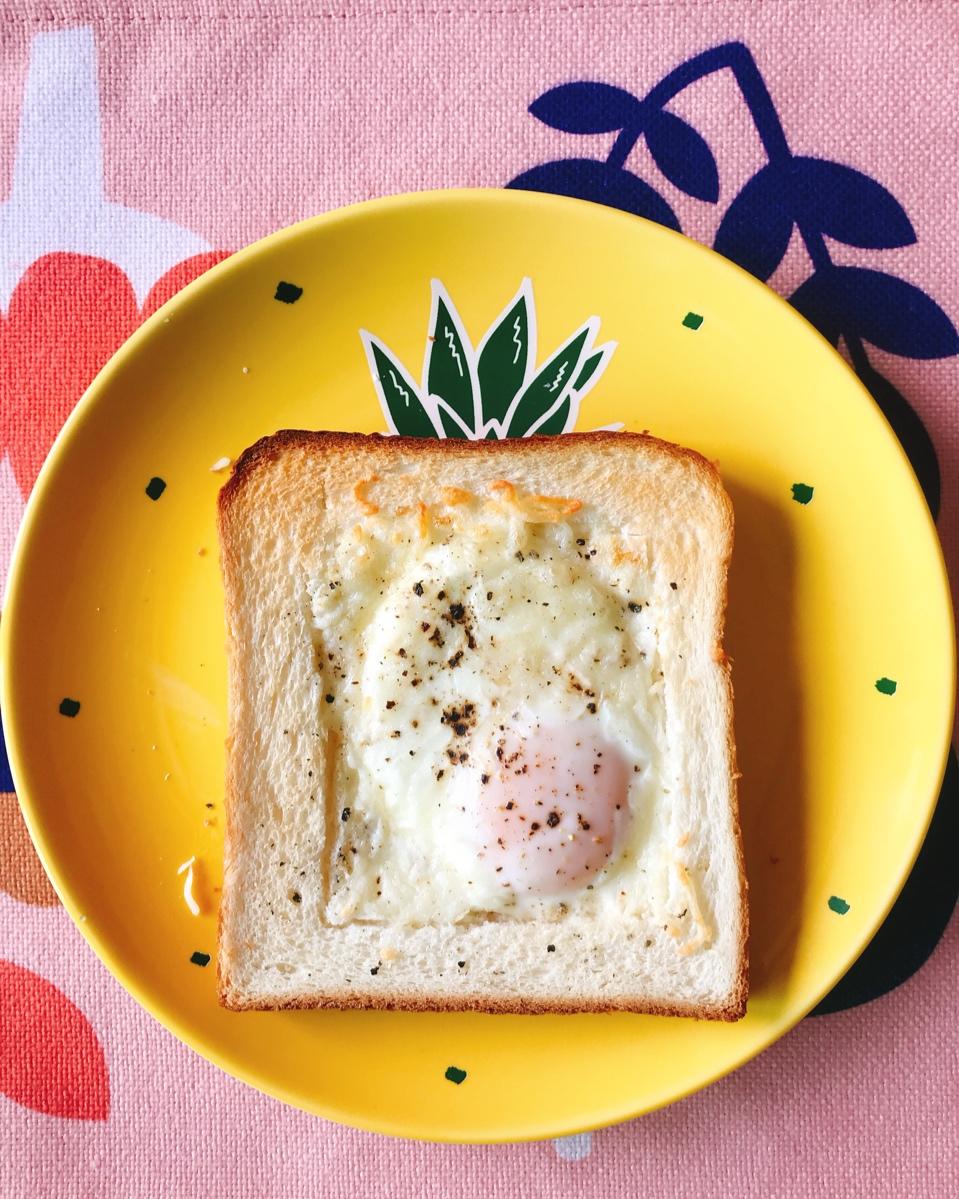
(481,750)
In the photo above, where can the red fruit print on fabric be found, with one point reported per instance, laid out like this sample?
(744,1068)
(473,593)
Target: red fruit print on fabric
(67,315)
(50,1058)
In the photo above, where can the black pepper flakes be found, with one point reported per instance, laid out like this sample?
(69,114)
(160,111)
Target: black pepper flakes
(345,815)
(674,586)
(552,819)
(329,698)
(550,948)
(634,607)
(296,897)
(484,778)
(374,969)
(417,588)
(590,707)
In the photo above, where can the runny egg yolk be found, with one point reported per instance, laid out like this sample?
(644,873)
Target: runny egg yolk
(552,811)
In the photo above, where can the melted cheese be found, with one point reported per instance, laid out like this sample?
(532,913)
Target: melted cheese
(436,639)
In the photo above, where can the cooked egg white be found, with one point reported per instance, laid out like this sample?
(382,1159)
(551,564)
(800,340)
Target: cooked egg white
(501,717)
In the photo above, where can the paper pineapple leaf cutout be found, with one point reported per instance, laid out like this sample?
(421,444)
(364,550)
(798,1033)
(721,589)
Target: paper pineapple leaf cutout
(495,390)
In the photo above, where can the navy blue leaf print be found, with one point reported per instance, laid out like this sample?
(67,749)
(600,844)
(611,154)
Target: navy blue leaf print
(586,179)
(586,108)
(847,205)
(757,225)
(881,309)
(6,778)
(682,155)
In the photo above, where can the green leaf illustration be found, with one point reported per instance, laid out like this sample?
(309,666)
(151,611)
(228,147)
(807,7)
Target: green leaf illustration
(453,426)
(485,393)
(503,358)
(397,394)
(588,369)
(550,386)
(448,373)
(556,422)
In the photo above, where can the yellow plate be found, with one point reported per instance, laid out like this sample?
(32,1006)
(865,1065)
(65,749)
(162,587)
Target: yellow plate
(115,602)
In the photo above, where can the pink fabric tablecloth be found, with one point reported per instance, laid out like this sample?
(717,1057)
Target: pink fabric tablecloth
(138,144)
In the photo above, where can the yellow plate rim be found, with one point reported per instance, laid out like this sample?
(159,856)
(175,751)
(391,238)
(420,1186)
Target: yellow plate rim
(399,1126)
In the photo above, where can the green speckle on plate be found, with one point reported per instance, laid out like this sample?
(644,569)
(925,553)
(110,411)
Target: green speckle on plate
(455,1074)
(802,493)
(287,293)
(155,488)
(886,686)
(692,320)
(69,707)
(837,905)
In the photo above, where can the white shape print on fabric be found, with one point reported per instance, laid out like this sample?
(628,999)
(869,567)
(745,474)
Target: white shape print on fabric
(574,1148)
(57,199)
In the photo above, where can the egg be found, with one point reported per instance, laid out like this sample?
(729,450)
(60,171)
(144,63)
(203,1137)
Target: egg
(552,812)
(496,679)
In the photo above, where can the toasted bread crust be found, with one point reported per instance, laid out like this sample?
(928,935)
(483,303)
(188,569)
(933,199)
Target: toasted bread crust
(517,1006)
(387,449)
(269,449)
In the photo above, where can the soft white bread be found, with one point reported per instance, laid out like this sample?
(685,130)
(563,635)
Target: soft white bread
(394,606)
